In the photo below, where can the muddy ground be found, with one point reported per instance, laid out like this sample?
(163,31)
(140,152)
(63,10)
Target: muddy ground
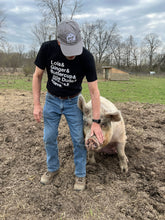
(110,195)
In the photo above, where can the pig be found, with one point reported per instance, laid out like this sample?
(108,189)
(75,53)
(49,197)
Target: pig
(113,129)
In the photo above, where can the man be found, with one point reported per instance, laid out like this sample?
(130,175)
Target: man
(66,62)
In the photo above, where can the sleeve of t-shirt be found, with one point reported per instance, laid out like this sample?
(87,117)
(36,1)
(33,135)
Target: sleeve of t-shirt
(40,60)
(90,68)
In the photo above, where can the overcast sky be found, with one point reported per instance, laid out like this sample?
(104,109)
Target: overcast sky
(133,17)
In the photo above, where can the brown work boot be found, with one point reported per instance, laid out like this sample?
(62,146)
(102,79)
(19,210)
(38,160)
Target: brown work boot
(47,177)
(80,183)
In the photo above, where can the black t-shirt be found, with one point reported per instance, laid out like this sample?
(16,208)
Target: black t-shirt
(65,76)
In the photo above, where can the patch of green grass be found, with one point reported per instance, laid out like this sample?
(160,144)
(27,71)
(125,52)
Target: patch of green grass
(15,83)
(138,89)
(19,82)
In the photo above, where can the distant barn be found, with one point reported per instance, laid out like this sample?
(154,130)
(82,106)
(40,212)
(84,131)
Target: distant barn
(111,73)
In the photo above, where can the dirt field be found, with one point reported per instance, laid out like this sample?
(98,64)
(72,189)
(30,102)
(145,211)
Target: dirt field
(110,195)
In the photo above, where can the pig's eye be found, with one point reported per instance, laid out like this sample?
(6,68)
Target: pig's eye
(104,124)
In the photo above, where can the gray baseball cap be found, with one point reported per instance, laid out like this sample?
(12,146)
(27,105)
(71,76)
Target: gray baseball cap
(68,34)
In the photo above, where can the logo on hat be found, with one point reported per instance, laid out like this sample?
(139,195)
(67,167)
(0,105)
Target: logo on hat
(70,38)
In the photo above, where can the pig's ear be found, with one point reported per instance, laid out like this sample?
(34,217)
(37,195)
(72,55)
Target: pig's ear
(115,116)
(82,104)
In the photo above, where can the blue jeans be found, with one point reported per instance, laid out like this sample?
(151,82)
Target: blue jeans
(53,109)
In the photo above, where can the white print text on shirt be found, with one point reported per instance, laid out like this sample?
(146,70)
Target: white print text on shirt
(60,75)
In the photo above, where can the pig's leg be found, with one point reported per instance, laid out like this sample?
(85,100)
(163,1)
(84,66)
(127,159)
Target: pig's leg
(91,157)
(122,157)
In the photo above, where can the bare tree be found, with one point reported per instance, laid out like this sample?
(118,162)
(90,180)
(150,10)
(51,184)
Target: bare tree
(57,10)
(151,44)
(88,31)
(7,48)
(129,44)
(41,31)
(116,48)
(159,63)
(74,8)
(130,52)
(103,37)
(9,56)
(135,56)
(2,20)
(20,49)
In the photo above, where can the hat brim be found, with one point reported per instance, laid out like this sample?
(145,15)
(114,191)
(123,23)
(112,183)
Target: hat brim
(72,50)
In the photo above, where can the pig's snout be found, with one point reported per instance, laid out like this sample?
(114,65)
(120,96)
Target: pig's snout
(92,143)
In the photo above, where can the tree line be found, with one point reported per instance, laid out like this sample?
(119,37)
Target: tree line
(103,39)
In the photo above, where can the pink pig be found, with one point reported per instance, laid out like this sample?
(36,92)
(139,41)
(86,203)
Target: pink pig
(113,129)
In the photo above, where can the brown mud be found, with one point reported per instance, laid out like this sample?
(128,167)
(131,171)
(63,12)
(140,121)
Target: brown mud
(110,195)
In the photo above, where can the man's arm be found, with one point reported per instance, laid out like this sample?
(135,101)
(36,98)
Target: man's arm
(36,86)
(95,98)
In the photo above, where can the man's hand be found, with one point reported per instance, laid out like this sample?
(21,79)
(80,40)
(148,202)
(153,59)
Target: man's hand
(37,112)
(96,129)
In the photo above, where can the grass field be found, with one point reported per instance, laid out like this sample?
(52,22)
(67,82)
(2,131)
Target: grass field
(149,89)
